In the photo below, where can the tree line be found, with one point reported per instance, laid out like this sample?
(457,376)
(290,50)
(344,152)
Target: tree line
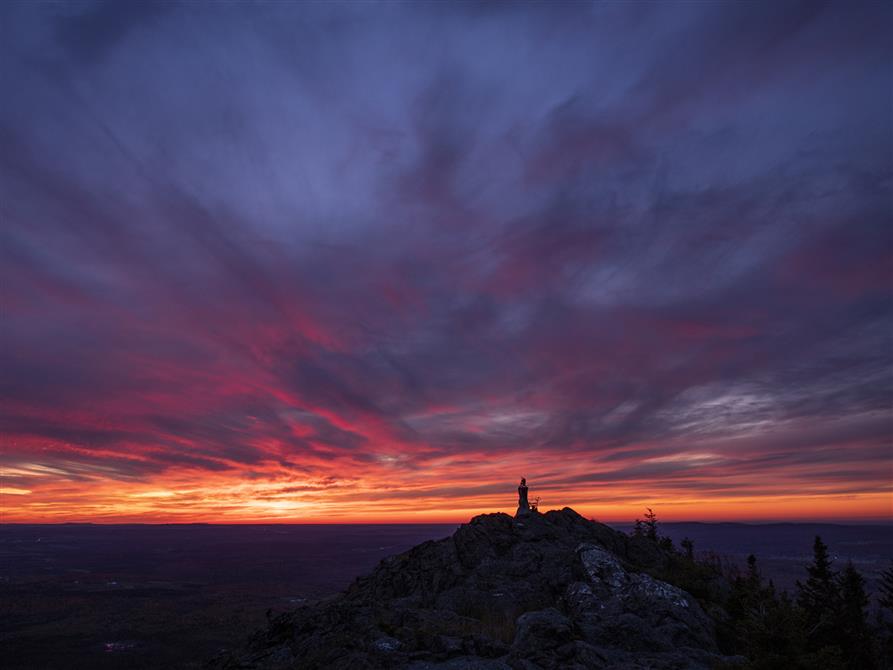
(825,623)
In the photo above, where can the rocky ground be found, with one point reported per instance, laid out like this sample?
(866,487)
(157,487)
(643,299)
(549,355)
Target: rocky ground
(545,591)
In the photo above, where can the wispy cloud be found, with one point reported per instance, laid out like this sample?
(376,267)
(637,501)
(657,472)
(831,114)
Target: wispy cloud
(293,261)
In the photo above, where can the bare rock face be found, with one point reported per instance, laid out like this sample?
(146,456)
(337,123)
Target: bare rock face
(539,592)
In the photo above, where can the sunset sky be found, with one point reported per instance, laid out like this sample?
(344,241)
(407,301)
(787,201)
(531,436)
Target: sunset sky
(377,261)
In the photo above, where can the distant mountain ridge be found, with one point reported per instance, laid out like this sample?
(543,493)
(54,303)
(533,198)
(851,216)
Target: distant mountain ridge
(542,592)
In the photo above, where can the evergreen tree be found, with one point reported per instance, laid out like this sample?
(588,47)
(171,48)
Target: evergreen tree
(771,635)
(651,525)
(852,624)
(766,626)
(852,594)
(818,597)
(689,548)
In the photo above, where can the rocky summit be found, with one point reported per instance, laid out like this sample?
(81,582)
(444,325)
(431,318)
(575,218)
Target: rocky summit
(545,591)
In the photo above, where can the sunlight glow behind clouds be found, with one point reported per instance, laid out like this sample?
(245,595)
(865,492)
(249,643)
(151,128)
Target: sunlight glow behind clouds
(362,262)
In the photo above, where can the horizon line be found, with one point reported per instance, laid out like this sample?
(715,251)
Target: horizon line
(872,521)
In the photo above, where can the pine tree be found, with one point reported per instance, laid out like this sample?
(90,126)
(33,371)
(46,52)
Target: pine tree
(766,627)
(852,594)
(818,596)
(770,634)
(819,592)
(852,624)
(651,525)
(689,547)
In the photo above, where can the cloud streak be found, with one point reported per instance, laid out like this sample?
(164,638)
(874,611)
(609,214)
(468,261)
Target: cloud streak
(356,262)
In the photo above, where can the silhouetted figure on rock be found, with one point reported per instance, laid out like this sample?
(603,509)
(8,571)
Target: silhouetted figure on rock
(523,505)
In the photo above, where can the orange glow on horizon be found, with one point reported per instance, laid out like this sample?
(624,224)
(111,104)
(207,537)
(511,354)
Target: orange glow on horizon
(227,500)
(385,285)
(694,480)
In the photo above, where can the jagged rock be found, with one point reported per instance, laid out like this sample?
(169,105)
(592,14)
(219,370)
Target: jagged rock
(539,592)
(633,611)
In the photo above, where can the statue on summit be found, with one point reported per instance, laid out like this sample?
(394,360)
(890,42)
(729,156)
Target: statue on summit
(523,505)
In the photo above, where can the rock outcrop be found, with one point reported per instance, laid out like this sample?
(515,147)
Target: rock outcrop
(544,591)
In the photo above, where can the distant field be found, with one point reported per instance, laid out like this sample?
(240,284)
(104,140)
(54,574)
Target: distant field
(147,596)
